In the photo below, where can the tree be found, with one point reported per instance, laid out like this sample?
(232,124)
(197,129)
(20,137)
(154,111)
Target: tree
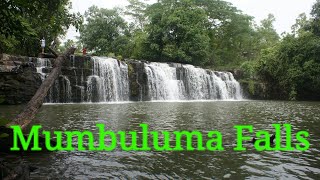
(267,35)
(136,9)
(138,40)
(292,66)
(104,27)
(24,23)
(230,31)
(315,21)
(70,43)
(301,24)
(177,32)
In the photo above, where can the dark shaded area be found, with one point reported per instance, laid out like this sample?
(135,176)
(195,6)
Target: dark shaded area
(20,85)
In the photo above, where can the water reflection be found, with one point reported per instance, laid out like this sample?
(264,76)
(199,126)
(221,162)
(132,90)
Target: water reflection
(203,116)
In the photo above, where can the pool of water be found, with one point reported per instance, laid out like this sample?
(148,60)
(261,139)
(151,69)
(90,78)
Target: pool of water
(177,116)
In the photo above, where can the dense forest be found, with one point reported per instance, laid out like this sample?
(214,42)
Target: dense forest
(209,33)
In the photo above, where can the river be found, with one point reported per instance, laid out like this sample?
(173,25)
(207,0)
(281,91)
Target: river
(176,116)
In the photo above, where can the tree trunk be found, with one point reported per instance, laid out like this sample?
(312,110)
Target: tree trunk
(25,117)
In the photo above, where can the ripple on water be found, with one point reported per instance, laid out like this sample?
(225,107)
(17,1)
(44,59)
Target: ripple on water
(203,116)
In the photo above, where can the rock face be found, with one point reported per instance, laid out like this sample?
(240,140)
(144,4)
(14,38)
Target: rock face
(137,81)
(17,88)
(8,62)
(101,79)
(19,79)
(258,90)
(254,90)
(71,84)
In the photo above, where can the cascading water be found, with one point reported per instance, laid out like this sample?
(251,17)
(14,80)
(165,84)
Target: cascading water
(109,81)
(101,79)
(187,82)
(163,83)
(42,63)
(61,91)
(66,89)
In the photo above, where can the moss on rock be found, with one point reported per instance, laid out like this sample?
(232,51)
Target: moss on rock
(251,87)
(3,122)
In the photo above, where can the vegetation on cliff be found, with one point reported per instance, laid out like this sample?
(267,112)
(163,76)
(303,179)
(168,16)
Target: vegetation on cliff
(291,66)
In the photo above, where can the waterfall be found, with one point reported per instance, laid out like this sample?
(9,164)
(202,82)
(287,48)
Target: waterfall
(109,81)
(163,83)
(186,82)
(102,79)
(61,91)
(42,63)
(66,89)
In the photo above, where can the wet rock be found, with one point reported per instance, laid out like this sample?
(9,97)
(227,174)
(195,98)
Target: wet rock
(253,90)
(137,81)
(8,62)
(19,87)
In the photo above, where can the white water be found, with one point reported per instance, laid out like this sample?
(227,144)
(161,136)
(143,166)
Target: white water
(66,89)
(192,83)
(109,81)
(163,83)
(63,87)
(42,63)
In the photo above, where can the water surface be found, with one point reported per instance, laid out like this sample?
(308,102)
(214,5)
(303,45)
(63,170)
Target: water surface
(171,116)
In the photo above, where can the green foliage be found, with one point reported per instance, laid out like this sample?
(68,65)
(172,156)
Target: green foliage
(24,23)
(232,34)
(104,32)
(136,9)
(315,21)
(301,24)
(177,32)
(121,46)
(266,34)
(251,85)
(111,55)
(294,66)
(293,94)
(138,45)
(200,32)
(248,68)
(69,43)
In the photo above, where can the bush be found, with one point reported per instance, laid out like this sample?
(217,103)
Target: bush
(248,68)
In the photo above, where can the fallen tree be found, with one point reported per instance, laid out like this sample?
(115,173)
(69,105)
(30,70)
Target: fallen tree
(23,119)
(27,115)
